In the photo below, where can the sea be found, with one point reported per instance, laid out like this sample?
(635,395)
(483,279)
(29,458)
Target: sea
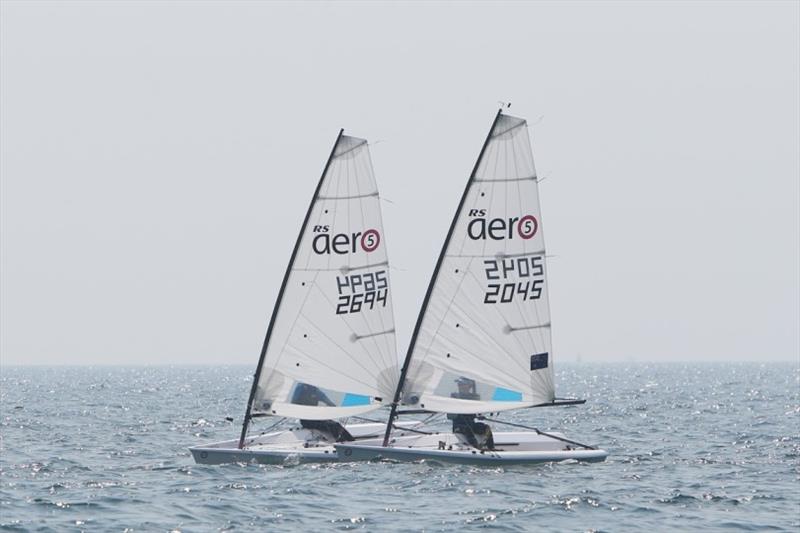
(693,447)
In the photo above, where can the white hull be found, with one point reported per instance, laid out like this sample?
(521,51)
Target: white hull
(295,445)
(512,447)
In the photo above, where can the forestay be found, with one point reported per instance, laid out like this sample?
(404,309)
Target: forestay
(483,343)
(333,333)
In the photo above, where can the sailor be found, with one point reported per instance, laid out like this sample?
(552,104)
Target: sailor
(466,389)
(478,434)
(305,394)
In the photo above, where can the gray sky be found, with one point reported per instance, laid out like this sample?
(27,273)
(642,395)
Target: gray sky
(157,161)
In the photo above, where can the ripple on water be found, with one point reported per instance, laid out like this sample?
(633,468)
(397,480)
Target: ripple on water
(693,447)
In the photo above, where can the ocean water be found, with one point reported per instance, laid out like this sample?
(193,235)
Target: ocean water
(694,447)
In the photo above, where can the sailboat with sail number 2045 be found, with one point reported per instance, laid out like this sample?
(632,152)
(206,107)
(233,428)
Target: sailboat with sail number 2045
(330,351)
(482,340)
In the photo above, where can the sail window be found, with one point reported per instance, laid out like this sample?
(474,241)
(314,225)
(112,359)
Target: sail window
(539,361)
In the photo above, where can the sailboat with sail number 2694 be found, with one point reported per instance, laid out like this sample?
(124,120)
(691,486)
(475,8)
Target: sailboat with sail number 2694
(330,350)
(482,340)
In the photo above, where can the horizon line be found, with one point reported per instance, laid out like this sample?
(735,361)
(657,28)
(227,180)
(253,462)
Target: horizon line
(570,362)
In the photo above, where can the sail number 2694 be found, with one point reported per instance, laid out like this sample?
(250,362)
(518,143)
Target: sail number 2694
(523,277)
(359,291)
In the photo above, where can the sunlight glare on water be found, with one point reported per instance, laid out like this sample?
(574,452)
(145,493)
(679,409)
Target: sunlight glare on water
(692,447)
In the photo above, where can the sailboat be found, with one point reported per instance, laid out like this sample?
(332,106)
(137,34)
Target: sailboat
(330,351)
(482,341)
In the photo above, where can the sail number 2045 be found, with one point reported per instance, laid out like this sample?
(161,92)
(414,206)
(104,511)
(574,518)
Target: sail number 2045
(360,291)
(523,279)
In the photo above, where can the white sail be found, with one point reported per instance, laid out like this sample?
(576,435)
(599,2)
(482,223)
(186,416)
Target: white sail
(333,333)
(483,343)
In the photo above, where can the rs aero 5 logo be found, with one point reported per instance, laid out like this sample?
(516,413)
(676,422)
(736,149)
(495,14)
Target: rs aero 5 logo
(481,228)
(343,243)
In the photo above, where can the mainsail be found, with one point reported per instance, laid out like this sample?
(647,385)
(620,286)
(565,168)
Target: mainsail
(331,336)
(482,341)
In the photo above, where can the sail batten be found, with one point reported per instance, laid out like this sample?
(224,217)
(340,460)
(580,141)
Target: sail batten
(528,178)
(483,340)
(353,197)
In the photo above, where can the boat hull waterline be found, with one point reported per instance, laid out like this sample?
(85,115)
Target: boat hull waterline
(281,447)
(513,447)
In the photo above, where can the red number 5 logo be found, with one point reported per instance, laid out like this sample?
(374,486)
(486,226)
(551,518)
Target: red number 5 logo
(370,240)
(527,226)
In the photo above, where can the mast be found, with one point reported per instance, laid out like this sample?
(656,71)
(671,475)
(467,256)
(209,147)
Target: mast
(432,284)
(275,309)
